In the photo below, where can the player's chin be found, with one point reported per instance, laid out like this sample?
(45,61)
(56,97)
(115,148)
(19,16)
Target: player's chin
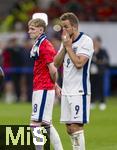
(31,36)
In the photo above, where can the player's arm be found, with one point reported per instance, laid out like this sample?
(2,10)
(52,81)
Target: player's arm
(59,58)
(78,60)
(53,72)
(54,76)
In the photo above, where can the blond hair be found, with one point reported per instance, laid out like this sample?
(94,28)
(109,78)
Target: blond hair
(37,23)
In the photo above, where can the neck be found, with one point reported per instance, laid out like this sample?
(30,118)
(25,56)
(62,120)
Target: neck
(38,36)
(75,35)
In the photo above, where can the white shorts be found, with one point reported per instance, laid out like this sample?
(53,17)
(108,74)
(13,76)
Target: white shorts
(42,105)
(75,109)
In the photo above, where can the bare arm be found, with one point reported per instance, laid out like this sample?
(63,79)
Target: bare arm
(78,60)
(54,76)
(53,72)
(59,58)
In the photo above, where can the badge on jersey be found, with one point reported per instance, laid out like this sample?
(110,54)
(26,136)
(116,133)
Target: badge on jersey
(75,49)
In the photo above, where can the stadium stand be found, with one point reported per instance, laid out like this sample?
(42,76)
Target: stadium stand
(15,14)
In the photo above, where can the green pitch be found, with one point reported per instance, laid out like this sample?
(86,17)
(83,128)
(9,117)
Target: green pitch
(100,133)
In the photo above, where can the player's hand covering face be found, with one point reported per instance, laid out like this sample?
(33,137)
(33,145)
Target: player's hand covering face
(67,33)
(66,36)
(66,25)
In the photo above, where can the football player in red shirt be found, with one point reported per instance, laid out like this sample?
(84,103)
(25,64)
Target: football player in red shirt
(44,79)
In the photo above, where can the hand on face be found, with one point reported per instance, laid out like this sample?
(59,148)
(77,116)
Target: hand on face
(67,41)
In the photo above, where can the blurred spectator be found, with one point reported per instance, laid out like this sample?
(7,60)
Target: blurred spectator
(27,76)
(12,64)
(1,61)
(99,66)
(7,64)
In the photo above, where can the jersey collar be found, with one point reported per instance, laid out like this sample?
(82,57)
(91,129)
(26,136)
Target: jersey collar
(79,36)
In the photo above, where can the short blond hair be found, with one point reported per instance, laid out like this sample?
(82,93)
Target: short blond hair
(37,23)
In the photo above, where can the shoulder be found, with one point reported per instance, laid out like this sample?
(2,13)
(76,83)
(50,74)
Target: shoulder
(47,44)
(87,42)
(47,47)
(84,40)
(87,39)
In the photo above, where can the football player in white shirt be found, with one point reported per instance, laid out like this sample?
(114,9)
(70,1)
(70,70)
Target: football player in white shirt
(75,54)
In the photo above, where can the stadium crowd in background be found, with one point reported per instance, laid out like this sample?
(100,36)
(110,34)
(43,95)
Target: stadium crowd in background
(99,66)
(17,84)
(18,15)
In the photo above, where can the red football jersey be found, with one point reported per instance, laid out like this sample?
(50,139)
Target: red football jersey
(41,75)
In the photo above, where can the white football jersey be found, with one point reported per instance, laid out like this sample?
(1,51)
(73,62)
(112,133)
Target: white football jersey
(77,81)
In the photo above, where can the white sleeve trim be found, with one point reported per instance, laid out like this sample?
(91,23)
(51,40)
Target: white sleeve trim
(84,54)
